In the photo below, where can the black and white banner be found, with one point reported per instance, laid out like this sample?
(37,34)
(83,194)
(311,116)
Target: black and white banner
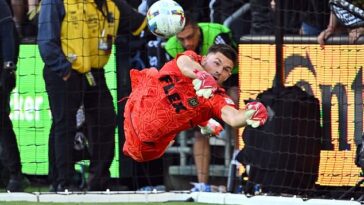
(347,13)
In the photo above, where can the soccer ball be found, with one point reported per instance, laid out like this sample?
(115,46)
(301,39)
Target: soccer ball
(165,18)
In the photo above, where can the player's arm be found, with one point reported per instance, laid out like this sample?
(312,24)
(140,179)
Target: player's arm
(188,66)
(334,26)
(234,117)
(204,83)
(254,114)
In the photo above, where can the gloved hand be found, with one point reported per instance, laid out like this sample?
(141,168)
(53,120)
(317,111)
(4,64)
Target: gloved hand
(205,84)
(212,127)
(258,114)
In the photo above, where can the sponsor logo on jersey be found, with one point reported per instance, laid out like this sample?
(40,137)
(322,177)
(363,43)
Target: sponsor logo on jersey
(193,102)
(173,97)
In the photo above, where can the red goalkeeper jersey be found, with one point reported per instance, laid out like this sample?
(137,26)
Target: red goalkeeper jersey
(162,104)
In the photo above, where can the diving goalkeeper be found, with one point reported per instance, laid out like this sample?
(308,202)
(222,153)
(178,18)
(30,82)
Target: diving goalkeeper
(185,93)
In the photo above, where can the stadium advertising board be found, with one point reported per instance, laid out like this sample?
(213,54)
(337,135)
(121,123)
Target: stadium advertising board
(31,115)
(334,76)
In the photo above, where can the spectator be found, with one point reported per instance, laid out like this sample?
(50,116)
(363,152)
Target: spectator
(315,17)
(185,93)
(261,16)
(75,51)
(199,37)
(9,44)
(343,18)
(291,12)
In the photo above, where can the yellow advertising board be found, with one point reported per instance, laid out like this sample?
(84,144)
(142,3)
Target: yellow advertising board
(334,76)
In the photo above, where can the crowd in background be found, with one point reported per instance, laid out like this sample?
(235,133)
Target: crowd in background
(243,17)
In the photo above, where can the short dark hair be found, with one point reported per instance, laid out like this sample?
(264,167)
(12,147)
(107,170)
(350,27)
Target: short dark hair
(226,50)
(190,20)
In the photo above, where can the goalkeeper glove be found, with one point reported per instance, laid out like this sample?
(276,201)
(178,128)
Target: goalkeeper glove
(211,127)
(205,84)
(259,116)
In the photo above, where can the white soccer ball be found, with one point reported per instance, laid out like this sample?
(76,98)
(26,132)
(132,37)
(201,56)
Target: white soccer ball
(165,18)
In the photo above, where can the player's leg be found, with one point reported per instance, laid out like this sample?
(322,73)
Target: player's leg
(202,155)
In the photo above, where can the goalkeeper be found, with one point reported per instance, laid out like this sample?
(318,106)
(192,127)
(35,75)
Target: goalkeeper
(185,93)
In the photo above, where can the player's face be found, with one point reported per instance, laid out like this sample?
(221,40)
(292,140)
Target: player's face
(189,37)
(218,65)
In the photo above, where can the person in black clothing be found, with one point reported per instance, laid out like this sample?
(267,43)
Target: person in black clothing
(74,75)
(9,45)
(344,20)
(261,17)
(315,17)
